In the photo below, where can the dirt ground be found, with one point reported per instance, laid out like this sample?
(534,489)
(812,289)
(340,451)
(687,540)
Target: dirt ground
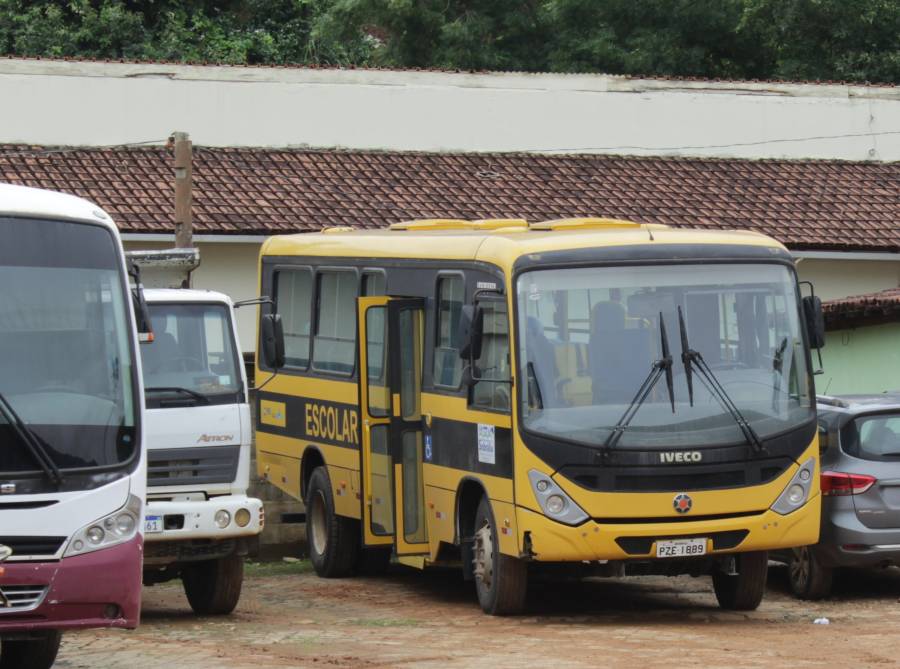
(290,618)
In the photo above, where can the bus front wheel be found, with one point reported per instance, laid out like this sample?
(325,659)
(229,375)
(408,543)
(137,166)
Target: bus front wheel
(501,581)
(333,540)
(38,652)
(213,587)
(743,590)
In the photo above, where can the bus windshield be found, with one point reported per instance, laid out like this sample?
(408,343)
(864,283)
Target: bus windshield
(65,350)
(192,359)
(590,337)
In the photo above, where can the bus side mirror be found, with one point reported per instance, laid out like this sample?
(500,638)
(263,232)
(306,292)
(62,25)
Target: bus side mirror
(815,321)
(471,328)
(272,340)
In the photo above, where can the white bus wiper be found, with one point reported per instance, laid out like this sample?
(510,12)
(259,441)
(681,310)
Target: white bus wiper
(177,389)
(690,358)
(31,441)
(659,367)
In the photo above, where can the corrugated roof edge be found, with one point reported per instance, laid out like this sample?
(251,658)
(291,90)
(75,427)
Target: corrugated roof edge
(315,66)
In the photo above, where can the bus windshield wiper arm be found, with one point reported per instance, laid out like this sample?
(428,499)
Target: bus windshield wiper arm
(31,441)
(177,389)
(658,369)
(778,370)
(692,358)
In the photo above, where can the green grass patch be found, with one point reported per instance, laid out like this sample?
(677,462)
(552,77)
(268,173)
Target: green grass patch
(277,568)
(385,622)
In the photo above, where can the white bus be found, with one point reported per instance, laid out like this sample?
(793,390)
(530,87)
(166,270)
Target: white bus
(72,467)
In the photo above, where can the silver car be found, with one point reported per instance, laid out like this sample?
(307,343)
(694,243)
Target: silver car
(860,444)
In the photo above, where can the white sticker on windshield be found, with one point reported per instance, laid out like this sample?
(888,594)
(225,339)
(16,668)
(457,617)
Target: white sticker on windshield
(486,449)
(224,379)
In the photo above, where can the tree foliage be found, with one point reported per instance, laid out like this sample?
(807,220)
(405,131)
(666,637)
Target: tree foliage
(857,40)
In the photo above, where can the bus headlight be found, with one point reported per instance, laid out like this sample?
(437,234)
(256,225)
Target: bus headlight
(115,528)
(797,490)
(554,502)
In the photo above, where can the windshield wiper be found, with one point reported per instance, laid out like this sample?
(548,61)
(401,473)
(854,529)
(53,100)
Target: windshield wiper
(176,389)
(31,441)
(690,358)
(660,367)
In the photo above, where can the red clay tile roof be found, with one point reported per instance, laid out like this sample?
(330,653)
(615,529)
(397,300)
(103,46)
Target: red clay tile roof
(805,204)
(870,309)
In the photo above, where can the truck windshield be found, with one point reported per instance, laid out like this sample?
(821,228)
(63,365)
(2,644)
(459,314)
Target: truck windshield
(65,346)
(192,359)
(592,336)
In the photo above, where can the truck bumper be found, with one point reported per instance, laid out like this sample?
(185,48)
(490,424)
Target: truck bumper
(97,589)
(196,520)
(551,541)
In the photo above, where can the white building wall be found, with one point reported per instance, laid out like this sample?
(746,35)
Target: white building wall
(842,278)
(116,103)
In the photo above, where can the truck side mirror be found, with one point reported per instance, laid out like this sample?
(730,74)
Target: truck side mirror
(272,335)
(471,329)
(141,311)
(815,321)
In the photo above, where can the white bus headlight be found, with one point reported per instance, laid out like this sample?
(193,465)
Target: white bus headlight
(796,492)
(115,528)
(554,502)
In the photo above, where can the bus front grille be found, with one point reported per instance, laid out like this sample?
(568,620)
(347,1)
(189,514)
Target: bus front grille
(35,546)
(21,598)
(188,466)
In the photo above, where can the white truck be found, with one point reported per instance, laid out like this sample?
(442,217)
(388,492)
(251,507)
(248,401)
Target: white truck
(199,520)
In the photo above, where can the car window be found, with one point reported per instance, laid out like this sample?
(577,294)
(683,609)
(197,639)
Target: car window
(873,437)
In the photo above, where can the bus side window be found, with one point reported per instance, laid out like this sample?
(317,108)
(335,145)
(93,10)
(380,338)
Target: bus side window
(293,297)
(493,391)
(334,348)
(373,283)
(447,363)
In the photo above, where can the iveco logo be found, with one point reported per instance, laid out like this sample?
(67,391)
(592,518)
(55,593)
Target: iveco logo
(680,457)
(214,438)
(682,503)
(7,488)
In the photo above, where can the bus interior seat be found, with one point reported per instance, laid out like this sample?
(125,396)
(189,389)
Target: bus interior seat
(619,358)
(542,356)
(572,363)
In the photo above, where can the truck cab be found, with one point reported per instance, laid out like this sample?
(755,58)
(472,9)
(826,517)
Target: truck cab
(199,521)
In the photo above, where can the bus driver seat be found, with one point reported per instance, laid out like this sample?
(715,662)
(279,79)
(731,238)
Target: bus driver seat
(618,357)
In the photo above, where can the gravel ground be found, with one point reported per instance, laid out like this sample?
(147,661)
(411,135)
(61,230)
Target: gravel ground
(288,617)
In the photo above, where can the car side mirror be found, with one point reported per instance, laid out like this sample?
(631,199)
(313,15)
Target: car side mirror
(272,335)
(815,321)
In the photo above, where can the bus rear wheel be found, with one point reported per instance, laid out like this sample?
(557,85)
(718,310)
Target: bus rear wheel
(744,590)
(333,540)
(213,587)
(501,581)
(33,653)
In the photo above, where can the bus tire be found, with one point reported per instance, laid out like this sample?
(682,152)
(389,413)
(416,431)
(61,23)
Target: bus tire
(809,579)
(743,591)
(213,587)
(37,653)
(333,540)
(501,581)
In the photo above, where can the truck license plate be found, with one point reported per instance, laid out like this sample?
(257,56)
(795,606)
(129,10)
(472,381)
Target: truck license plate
(153,524)
(681,548)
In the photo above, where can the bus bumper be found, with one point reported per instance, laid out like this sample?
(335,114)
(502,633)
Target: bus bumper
(551,541)
(97,589)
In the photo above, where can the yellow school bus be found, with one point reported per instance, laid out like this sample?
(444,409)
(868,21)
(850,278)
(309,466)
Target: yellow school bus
(621,397)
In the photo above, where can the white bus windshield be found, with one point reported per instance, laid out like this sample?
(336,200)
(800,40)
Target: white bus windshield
(590,337)
(65,349)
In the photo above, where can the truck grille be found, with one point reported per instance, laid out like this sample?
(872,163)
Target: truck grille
(187,466)
(21,598)
(43,546)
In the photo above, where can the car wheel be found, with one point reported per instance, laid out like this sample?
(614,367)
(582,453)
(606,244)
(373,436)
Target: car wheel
(809,579)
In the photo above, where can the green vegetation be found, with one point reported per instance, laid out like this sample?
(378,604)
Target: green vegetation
(277,568)
(856,40)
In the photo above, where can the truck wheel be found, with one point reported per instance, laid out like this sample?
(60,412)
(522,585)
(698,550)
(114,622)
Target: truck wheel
(809,579)
(333,540)
(37,653)
(743,591)
(213,587)
(501,581)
